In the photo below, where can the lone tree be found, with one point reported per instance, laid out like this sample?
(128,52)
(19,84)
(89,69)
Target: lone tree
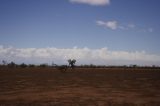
(72,63)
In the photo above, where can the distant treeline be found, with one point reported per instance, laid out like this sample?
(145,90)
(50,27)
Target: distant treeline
(44,65)
(22,65)
(115,66)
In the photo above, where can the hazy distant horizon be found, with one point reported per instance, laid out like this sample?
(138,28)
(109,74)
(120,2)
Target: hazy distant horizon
(101,56)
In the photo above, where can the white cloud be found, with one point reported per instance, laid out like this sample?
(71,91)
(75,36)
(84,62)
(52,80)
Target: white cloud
(82,55)
(114,25)
(108,24)
(122,27)
(92,2)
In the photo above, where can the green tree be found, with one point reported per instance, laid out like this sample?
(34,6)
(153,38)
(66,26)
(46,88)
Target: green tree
(72,63)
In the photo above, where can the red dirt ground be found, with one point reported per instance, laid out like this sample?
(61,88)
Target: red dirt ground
(79,87)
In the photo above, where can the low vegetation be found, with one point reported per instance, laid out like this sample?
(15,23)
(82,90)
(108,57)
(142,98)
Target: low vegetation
(71,64)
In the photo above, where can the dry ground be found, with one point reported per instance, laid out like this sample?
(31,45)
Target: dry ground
(79,87)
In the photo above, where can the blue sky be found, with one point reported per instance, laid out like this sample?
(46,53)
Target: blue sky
(119,25)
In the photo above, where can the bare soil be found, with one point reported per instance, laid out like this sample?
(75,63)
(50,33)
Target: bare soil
(79,87)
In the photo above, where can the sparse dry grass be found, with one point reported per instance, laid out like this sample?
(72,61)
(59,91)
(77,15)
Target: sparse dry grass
(79,87)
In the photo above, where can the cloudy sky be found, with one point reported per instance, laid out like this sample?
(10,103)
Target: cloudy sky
(108,32)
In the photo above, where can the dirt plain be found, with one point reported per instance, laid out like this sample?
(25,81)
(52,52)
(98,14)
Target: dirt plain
(79,87)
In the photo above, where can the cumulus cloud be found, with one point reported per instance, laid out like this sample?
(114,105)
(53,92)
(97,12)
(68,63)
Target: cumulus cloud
(92,2)
(108,24)
(102,56)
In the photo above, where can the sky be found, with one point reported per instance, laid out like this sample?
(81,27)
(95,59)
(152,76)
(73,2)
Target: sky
(106,32)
